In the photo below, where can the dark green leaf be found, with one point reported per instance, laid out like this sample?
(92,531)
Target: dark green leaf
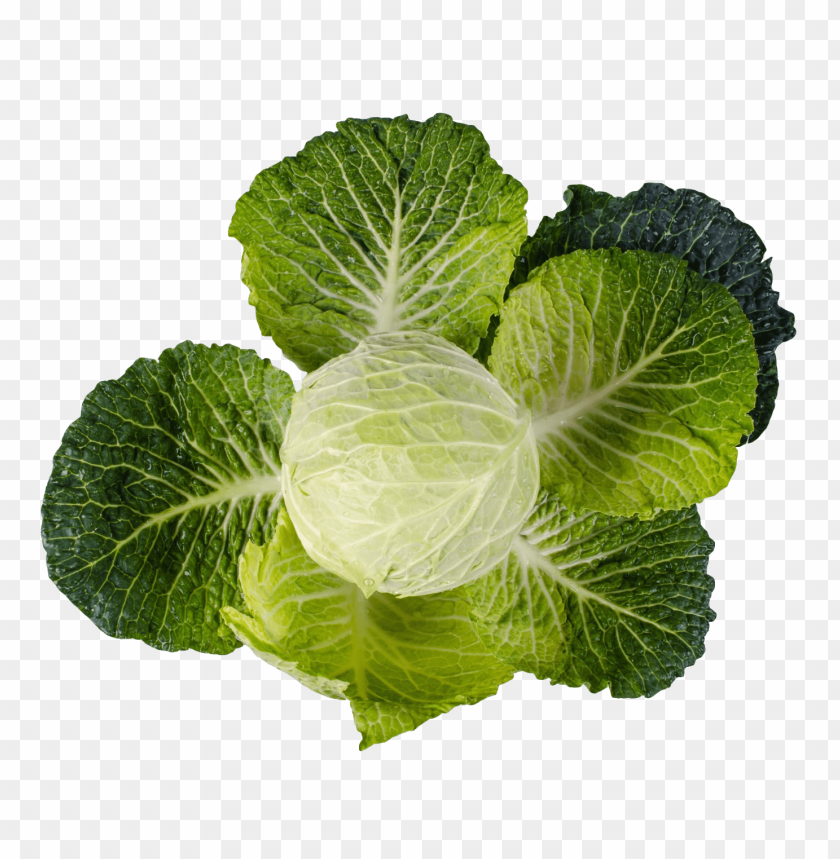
(157,487)
(600,600)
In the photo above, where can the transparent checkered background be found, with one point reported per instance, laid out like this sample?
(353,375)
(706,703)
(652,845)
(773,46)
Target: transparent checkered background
(127,133)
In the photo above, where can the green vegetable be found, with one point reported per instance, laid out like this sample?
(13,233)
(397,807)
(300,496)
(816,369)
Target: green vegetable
(600,600)
(399,662)
(690,226)
(639,376)
(157,488)
(386,225)
(407,469)
(492,465)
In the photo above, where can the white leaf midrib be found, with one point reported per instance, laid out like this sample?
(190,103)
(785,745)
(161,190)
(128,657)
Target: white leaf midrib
(234,491)
(531,556)
(385,316)
(228,492)
(552,420)
(359,619)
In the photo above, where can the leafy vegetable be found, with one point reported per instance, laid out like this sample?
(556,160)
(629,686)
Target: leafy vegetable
(399,662)
(690,226)
(157,488)
(381,534)
(600,600)
(384,225)
(407,468)
(639,376)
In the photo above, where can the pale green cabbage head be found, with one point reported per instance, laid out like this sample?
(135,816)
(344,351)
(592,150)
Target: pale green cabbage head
(407,469)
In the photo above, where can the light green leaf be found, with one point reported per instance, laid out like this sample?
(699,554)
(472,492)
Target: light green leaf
(384,225)
(378,721)
(688,225)
(640,377)
(600,600)
(157,488)
(407,469)
(399,662)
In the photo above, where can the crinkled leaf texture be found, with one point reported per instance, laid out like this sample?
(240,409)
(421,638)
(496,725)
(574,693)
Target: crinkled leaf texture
(407,468)
(157,487)
(399,662)
(384,225)
(599,600)
(690,226)
(639,375)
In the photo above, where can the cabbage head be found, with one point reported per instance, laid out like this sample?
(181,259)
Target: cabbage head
(407,469)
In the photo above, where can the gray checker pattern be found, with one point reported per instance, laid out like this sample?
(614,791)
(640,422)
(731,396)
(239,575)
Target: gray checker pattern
(127,132)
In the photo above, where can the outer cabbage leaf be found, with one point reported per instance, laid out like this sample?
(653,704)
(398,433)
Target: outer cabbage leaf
(157,487)
(384,225)
(688,225)
(398,662)
(639,375)
(600,600)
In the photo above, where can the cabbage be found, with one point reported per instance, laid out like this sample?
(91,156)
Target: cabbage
(407,469)
(416,525)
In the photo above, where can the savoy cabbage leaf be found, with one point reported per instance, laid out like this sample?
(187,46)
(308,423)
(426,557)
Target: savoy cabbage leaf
(399,662)
(157,487)
(385,225)
(688,225)
(639,376)
(600,600)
